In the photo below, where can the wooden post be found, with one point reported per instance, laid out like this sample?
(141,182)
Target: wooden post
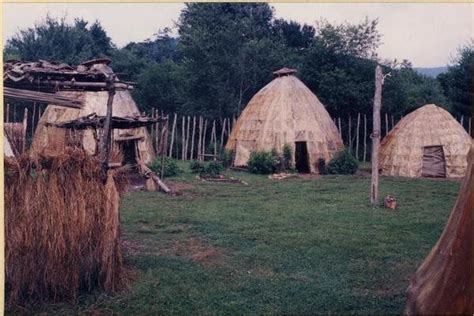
(357,136)
(222,133)
(14,113)
(172,135)
(214,138)
(25,128)
(199,139)
(183,138)
(340,130)
(151,130)
(374,187)
(462,121)
(40,113)
(106,135)
(33,115)
(229,127)
(386,123)
(350,134)
(7,113)
(203,150)
(365,138)
(192,138)
(186,155)
(392,123)
(470,126)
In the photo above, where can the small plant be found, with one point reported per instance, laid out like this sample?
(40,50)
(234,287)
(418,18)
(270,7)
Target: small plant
(343,163)
(287,157)
(196,166)
(171,168)
(262,162)
(226,157)
(212,168)
(322,166)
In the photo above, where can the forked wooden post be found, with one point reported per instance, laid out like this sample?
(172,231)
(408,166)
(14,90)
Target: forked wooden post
(25,128)
(374,186)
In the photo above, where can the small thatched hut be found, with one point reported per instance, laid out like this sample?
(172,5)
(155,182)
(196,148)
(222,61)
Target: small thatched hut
(285,112)
(443,284)
(428,142)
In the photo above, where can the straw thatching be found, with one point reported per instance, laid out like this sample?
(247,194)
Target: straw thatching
(285,111)
(54,138)
(443,285)
(14,135)
(62,227)
(427,142)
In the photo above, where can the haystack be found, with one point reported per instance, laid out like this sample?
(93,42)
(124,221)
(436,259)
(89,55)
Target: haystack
(286,112)
(62,227)
(444,283)
(428,142)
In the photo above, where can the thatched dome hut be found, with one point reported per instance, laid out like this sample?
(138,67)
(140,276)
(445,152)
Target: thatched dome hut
(428,142)
(133,144)
(286,112)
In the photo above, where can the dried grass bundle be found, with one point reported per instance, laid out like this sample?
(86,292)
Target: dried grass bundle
(63,229)
(14,134)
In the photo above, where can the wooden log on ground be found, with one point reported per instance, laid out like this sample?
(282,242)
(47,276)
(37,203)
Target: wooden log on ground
(148,173)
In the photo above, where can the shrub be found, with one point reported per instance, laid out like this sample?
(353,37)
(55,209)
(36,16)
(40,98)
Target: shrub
(287,157)
(343,163)
(322,166)
(262,162)
(171,168)
(226,157)
(212,168)
(196,166)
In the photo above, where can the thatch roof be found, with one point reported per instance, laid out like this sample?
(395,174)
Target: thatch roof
(402,149)
(443,284)
(54,138)
(284,111)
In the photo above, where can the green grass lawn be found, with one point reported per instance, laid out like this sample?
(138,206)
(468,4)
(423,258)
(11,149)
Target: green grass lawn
(288,246)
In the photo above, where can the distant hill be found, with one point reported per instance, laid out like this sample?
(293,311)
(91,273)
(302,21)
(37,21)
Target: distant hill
(430,71)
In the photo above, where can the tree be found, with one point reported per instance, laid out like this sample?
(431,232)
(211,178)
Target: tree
(458,84)
(59,41)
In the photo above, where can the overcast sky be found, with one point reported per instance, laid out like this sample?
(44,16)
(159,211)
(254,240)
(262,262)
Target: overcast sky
(426,34)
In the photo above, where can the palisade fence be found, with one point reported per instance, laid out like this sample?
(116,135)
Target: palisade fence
(188,137)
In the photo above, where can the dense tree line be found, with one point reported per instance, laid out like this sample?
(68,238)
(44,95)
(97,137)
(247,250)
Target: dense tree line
(225,52)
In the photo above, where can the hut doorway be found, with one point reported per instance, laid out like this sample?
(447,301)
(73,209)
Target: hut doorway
(129,152)
(434,163)
(301,157)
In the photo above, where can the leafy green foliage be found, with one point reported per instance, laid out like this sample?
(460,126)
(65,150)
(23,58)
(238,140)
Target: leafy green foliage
(287,157)
(321,164)
(171,168)
(262,162)
(457,83)
(343,163)
(196,166)
(226,157)
(57,40)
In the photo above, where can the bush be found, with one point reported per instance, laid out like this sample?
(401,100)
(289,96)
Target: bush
(196,166)
(212,168)
(343,163)
(171,168)
(322,166)
(287,157)
(226,157)
(262,162)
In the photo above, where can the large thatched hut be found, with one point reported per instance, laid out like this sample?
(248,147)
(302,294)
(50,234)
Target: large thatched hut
(428,142)
(285,112)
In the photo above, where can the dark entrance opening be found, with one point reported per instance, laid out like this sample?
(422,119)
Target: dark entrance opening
(129,153)
(434,163)
(301,157)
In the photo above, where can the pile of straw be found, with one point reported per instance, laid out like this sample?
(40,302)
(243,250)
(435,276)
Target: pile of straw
(63,228)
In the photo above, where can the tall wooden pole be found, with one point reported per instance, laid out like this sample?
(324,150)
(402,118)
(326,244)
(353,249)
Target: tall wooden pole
(186,155)
(339,123)
(172,135)
(214,138)
(192,138)
(25,128)
(183,138)
(7,113)
(350,134)
(199,148)
(203,151)
(222,133)
(106,135)
(374,187)
(365,138)
(357,136)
